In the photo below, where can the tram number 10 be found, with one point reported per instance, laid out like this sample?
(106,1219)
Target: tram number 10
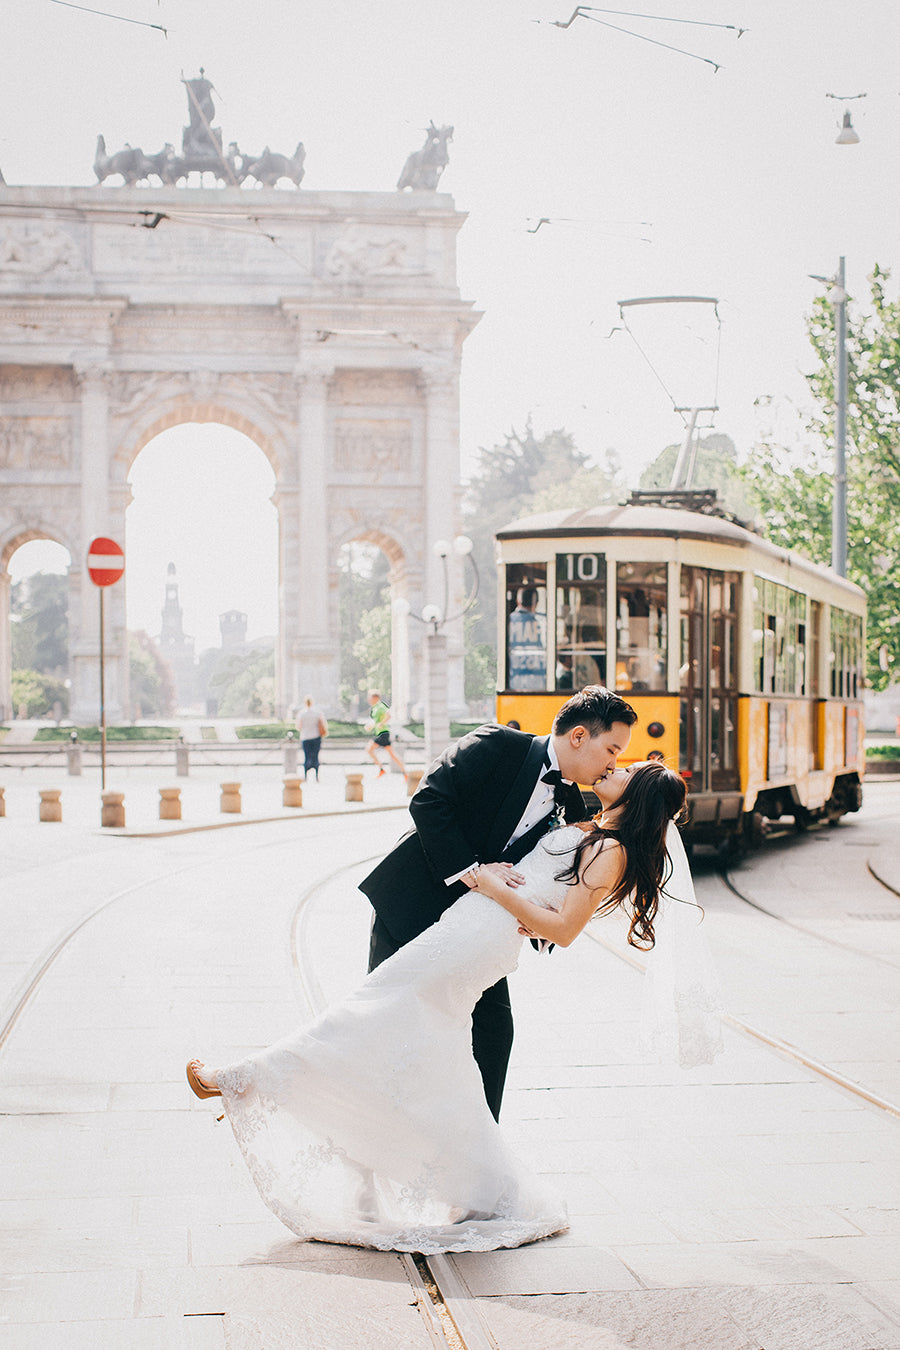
(580,567)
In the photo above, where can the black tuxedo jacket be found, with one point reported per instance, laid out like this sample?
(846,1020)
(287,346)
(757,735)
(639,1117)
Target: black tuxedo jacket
(464,811)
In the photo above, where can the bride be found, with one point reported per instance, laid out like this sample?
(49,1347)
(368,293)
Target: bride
(370,1125)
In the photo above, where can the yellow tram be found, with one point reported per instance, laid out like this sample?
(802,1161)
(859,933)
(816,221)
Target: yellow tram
(743,661)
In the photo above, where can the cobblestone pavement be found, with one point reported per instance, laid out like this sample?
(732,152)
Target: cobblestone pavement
(752,1205)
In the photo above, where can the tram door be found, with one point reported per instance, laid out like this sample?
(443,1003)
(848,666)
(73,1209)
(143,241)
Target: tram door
(708,679)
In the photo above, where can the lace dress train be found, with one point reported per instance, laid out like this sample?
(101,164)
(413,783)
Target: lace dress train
(370,1126)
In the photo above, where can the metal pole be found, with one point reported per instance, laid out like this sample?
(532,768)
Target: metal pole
(102,703)
(839,507)
(682,473)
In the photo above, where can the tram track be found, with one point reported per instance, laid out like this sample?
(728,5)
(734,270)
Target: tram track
(31,982)
(451,1317)
(780,1046)
(735,890)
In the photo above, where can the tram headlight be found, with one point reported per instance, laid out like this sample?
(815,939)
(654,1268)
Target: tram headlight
(656,729)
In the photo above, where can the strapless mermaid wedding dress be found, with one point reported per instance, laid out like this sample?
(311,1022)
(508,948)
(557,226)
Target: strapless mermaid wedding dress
(370,1125)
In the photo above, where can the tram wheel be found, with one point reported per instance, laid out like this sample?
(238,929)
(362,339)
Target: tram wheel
(732,848)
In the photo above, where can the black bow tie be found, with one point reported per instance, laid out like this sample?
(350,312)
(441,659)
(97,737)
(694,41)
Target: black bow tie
(553,777)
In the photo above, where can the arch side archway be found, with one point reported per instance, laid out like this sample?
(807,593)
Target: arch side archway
(11,540)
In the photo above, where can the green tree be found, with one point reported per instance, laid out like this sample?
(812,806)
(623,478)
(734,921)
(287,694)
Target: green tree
(39,608)
(795,497)
(524,475)
(363,574)
(38,694)
(790,497)
(243,682)
(372,648)
(480,665)
(150,679)
(715,466)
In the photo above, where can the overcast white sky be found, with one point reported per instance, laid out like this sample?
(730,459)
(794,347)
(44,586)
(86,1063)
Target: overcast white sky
(736,173)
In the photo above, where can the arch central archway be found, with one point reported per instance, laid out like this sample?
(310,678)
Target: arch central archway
(201,540)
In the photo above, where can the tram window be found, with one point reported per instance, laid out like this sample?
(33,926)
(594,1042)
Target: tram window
(526,627)
(641,626)
(845,654)
(580,620)
(779,638)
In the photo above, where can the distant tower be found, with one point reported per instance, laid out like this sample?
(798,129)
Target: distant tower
(233,627)
(176,647)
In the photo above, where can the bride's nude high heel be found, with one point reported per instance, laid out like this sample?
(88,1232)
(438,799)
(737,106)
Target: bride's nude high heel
(193,1069)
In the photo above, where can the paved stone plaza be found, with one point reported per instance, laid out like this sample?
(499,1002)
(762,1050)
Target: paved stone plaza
(753,1205)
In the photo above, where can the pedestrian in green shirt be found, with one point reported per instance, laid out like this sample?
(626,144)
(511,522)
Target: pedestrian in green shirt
(379,716)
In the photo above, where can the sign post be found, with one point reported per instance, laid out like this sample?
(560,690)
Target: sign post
(106,563)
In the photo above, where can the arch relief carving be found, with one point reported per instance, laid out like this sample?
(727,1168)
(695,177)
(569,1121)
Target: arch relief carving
(35,443)
(37,384)
(373,388)
(373,444)
(38,250)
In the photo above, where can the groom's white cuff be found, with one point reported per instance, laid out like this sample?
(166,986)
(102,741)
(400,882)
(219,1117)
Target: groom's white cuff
(449,881)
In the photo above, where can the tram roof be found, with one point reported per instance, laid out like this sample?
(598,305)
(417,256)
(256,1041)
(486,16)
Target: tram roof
(660,522)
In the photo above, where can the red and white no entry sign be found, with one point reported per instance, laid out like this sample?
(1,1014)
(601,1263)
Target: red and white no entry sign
(106,561)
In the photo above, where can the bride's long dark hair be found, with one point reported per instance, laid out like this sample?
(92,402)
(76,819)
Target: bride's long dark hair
(652,795)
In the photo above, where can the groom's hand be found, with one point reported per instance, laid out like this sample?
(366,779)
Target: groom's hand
(504,872)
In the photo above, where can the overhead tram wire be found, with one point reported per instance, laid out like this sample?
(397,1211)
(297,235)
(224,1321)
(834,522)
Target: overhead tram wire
(105,14)
(174,217)
(674,300)
(591,11)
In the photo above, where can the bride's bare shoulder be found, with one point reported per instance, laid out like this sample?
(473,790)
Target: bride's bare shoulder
(602,860)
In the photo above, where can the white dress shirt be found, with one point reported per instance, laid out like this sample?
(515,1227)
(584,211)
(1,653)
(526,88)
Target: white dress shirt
(539,805)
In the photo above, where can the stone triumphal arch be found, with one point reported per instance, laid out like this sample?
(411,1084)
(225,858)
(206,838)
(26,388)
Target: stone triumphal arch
(327,326)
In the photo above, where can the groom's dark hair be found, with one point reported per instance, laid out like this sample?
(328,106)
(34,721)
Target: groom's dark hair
(595,708)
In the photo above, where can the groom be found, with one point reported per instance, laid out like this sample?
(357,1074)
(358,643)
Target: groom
(487,800)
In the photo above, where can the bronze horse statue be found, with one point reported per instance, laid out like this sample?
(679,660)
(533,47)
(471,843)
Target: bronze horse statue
(269,167)
(424,167)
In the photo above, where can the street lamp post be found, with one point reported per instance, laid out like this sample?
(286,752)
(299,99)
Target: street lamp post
(839,507)
(837,294)
(434,617)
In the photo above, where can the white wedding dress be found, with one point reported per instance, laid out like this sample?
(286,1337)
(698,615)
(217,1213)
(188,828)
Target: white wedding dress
(370,1126)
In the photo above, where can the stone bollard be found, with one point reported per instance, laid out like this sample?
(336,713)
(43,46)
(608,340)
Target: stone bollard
(354,790)
(182,761)
(2,802)
(170,803)
(293,792)
(51,806)
(290,755)
(413,779)
(230,801)
(74,754)
(112,812)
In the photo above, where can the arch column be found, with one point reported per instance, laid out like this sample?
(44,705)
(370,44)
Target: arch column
(440,383)
(313,651)
(93,379)
(401,672)
(6,708)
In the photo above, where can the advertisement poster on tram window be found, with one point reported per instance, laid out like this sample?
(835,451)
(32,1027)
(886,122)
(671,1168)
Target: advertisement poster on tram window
(527,643)
(778,743)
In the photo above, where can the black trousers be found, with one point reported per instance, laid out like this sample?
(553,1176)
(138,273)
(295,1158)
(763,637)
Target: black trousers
(311,754)
(492,1022)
